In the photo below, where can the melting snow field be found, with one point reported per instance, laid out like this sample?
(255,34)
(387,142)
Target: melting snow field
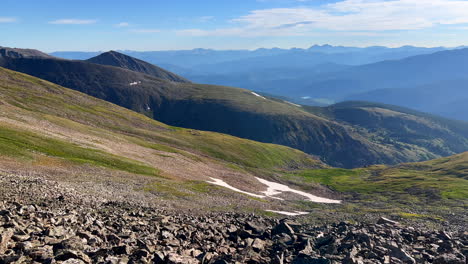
(256,94)
(295,213)
(275,189)
(293,104)
(224,184)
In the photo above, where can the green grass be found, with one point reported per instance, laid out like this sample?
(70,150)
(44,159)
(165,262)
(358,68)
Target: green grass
(77,111)
(341,180)
(180,189)
(407,183)
(245,152)
(19,143)
(267,213)
(419,216)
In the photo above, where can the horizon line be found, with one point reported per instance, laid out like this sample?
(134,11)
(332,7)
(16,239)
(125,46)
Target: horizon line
(255,49)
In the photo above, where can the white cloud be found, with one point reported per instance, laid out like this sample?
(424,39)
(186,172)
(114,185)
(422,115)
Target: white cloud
(7,19)
(73,21)
(148,30)
(122,24)
(346,15)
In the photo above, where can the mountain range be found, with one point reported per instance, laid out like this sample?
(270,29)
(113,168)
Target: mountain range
(376,134)
(197,60)
(408,72)
(321,75)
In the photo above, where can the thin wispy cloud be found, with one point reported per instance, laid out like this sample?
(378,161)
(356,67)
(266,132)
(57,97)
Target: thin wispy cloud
(122,24)
(7,19)
(347,15)
(205,19)
(145,30)
(295,24)
(73,21)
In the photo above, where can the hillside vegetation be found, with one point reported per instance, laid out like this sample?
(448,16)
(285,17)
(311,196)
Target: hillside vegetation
(431,190)
(66,107)
(241,113)
(63,135)
(444,178)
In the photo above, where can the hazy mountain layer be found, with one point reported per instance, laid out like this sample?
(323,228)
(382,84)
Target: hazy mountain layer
(197,60)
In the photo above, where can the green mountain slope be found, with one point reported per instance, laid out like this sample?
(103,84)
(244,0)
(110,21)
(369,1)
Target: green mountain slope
(238,112)
(431,190)
(57,133)
(401,127)
(69,111)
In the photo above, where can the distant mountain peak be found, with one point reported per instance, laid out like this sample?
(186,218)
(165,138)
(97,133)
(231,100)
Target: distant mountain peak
(117,59)
(114,52)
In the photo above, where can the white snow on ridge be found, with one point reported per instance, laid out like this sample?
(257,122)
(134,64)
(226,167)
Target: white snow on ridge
(278,188)
(295,213)
(134,83)
(293,104)
(256,94)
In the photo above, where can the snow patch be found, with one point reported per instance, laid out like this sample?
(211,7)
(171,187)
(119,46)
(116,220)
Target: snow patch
(256,94)
(135,83)
(273,190)
(295,213)
(278,188)
(293,104)
(225,184)
(305,97)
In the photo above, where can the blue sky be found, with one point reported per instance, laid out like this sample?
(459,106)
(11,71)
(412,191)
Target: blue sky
(53,25)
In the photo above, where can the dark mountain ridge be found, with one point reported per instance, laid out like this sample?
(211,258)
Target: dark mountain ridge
(113,58)
(22,53)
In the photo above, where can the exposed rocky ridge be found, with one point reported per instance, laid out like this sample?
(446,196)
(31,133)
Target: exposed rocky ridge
(22,53)
(43,222)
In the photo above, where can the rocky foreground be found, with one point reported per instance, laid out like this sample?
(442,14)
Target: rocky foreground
(43,222)
(117,234)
